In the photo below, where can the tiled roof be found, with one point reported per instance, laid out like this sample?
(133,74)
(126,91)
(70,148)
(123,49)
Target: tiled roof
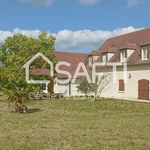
(132,46)
(73,58)
(132,40)
(94,53)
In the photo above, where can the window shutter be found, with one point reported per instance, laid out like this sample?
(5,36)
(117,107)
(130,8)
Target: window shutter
(148,53)
(121,85)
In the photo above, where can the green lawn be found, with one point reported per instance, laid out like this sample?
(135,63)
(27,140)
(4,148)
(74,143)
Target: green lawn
(77,125)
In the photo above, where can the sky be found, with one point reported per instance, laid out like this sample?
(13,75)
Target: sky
(78,25)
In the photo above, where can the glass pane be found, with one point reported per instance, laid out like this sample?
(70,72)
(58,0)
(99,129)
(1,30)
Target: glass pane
(144,54)
(123,56)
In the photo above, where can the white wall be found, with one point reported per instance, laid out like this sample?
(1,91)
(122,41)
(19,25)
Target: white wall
(61,88)
(131,87)
(137,73)
(129,52)
(64,89)
(110,55)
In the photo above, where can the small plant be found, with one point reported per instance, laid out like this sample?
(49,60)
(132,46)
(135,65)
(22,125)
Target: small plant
(84,86)
(95,88)
(100,84)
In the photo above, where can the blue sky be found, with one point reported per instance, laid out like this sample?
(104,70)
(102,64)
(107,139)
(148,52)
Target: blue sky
(77,24)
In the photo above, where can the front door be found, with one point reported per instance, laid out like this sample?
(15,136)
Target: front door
(143,89)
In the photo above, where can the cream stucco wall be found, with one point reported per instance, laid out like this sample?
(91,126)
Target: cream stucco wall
(136,73)
(61,88)
(129,52)
(110,55)
(64,89)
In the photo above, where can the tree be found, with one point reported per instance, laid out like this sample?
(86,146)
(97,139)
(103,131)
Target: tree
(14,53)
(84,86)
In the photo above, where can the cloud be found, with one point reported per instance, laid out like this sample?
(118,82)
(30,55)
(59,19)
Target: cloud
(5,34)
(68,40)
(137,2)
(133,2)
(38,2)
(89,2)
(86,39)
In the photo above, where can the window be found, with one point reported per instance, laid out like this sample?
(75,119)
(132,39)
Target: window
(122,56)
(121,85)
(144,54)
(104,58)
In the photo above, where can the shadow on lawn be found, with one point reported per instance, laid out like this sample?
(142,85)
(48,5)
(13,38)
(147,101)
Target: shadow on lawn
(34,110)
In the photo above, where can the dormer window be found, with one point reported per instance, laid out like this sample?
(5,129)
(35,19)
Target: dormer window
(123,55)
(94,56)
(104,58)
(144,53)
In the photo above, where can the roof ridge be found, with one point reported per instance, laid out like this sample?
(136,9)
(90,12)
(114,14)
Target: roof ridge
(71,52)
(125,34)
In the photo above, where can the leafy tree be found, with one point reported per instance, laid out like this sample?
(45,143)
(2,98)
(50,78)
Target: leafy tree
(84,86)
(14,53)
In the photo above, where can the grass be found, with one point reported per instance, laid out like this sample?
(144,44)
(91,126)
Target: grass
(77,125)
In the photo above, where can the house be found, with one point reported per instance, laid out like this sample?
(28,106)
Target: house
(73,59)
(133,49)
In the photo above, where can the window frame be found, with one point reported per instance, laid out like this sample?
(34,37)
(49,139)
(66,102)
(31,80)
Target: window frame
(106,55)
(142,54)
(125,52)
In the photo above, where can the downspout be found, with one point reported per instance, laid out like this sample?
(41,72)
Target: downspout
(70,88)
(70,93)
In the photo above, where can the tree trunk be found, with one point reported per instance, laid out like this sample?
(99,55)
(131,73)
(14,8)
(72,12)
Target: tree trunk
(19,107)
